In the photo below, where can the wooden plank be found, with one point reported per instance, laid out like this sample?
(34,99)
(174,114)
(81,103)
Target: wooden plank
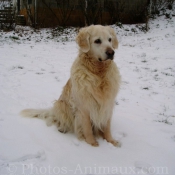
(8,8)
(6,11)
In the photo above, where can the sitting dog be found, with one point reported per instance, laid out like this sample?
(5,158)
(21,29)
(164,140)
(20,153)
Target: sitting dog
(86,104)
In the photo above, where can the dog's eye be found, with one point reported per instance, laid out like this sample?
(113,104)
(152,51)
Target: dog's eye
(97,41)
(109,39)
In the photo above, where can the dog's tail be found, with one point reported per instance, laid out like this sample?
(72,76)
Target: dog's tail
(60,114)
(45,114)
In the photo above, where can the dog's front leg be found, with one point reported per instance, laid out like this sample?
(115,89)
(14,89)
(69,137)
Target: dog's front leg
(107,135)
(87,130)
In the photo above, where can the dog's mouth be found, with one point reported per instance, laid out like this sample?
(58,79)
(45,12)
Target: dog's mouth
(108,58)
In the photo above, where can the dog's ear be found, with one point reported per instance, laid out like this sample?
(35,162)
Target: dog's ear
(82,40)
(114,38)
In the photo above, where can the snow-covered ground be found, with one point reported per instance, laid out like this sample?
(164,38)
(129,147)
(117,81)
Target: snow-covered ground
(34,66)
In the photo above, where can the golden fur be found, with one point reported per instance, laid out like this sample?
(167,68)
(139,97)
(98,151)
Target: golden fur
(87,101)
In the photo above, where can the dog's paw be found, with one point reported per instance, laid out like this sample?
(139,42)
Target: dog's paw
(92,142)
(95,144)
(115,143)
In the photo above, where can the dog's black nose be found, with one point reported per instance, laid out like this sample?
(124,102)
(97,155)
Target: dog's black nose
(110,53)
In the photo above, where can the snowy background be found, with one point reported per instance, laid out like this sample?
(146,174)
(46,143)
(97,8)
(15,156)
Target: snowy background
(34,67)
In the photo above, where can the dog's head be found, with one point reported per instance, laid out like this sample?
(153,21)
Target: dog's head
(98,42)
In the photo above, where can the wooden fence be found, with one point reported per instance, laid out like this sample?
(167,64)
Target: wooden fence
(7,18)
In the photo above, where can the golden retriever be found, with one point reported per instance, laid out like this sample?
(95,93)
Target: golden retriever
(86,104)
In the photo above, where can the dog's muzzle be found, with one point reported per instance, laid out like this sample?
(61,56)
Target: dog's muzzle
(110,54)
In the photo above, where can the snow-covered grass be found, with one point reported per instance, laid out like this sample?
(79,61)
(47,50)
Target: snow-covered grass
(35,65)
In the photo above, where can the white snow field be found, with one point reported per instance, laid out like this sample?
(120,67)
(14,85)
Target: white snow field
(34,67)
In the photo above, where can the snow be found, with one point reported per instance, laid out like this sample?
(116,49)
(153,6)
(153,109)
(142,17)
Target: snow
(34,67)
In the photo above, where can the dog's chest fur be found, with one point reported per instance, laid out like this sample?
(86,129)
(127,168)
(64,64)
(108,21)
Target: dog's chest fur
(99,80)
